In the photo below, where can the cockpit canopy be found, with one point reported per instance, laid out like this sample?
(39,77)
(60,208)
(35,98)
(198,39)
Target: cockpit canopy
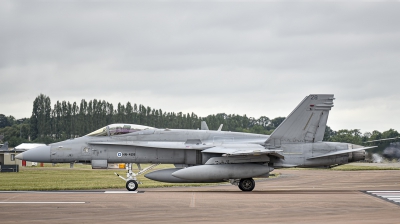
(118,129)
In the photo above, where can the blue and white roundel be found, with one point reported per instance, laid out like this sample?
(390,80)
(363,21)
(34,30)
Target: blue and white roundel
(119,154)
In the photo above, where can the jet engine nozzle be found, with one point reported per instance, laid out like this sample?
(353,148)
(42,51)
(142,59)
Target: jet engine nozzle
(357,156)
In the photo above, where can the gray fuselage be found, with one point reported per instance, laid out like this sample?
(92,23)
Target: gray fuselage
(88,148)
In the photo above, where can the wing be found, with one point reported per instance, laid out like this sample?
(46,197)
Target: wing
(243,150)
(225,149)
(340,152)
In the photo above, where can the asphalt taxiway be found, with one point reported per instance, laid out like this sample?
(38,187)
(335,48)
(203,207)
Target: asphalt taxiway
(296,196)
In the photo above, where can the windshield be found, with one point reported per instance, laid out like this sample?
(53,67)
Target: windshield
(118,129)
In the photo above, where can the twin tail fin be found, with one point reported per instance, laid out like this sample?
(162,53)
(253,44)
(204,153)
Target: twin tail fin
(306,123)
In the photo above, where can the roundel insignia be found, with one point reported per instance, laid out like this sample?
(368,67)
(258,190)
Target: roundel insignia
(119,154)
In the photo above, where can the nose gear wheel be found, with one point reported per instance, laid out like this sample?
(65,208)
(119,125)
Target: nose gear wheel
(131,185)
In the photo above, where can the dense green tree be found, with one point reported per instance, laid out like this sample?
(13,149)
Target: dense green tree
(328,134)
(82,117)
(4,121)
(264,121)
(15,141)
(129,113)
(348,136)
(66,120)
(277,121)
(375,135)
(391,133)
(40,119)
(11,120)
(57,120)
(46,129)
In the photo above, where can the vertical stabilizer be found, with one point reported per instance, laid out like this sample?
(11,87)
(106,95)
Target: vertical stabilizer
(305,124)
(204,126)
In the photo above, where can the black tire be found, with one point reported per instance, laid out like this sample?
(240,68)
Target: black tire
(131,185)
(247,184)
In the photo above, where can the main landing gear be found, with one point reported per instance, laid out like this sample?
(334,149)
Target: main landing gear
(131,180)
(246,184)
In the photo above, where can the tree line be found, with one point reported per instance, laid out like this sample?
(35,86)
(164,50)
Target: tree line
(63,120)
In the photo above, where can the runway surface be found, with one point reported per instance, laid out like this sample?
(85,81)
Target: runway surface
(296,196)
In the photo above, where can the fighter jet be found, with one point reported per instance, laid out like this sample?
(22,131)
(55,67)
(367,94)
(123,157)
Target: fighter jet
(206,156)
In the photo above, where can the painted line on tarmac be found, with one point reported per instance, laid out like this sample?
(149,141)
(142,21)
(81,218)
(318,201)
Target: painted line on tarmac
(51,192)
(390,196)
(193,201)
(42,202)
(71,192)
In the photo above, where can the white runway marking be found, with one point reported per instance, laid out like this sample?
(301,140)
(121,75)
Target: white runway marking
(72,192)
(49,192)
(193,201)
(392,196)
(42,202)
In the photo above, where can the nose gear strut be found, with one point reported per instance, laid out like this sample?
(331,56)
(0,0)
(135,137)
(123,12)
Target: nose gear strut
(131,180)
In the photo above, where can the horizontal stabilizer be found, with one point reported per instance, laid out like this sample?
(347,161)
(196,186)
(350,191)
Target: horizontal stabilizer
(384,139)
(342,152)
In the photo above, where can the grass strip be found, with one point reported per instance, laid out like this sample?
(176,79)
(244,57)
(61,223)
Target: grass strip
(81,177)
(350,167)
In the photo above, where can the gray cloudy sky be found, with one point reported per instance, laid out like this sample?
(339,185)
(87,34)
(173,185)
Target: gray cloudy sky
(255,58)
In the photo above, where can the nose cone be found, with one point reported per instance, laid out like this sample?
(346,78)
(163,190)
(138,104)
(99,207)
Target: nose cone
(38,154)
(19,156)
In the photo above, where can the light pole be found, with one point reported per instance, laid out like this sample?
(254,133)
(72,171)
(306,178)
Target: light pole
(15,160)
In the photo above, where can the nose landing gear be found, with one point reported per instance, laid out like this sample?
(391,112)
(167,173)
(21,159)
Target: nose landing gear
(131,180)
(131,185)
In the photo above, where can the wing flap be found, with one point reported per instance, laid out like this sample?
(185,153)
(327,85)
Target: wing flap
(242,150)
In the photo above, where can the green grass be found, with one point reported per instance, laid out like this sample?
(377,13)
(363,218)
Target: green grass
(351,167)
(348,167)
(81,177)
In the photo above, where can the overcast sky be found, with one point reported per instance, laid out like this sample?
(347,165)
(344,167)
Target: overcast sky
(254,58)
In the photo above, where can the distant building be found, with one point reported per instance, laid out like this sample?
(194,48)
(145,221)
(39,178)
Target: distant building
(27,146)
(8,163)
